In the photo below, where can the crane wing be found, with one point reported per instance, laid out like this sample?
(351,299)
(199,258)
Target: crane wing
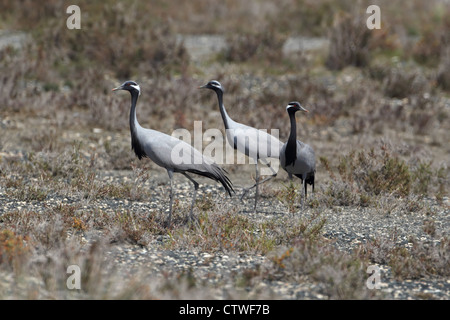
(178,156)
(255,143)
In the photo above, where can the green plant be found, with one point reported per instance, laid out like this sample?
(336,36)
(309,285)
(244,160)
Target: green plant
(393,176)
(365,175)
(288,196)
(375,173)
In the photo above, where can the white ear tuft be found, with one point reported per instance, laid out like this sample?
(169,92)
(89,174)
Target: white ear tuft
(137,88)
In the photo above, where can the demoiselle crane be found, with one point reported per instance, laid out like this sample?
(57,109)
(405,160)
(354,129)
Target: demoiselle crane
(166,151)
(254,143)
(296,157)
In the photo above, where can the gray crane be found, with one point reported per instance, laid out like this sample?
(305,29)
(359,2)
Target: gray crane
(296,157)
(160,147)
(254,143)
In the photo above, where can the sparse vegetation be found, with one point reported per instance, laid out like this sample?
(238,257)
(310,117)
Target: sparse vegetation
(421,260)
(379,173)
(340,273)
(72,191)
(349,42)
(266,46)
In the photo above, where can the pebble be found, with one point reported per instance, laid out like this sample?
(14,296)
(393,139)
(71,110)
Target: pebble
(347,227)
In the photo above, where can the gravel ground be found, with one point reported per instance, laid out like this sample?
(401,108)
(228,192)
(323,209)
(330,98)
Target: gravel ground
(347,227)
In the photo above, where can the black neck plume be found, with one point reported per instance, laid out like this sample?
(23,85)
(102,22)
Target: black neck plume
(291,147)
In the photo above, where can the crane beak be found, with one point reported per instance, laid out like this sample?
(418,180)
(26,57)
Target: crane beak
(202,87)
(118,88)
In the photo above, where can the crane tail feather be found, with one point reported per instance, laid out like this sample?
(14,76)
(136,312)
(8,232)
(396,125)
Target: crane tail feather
(217,174)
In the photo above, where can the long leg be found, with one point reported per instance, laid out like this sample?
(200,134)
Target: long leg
(274,174)
(304,193)
(170,173)
(306,189)
(257,185)
(191,216)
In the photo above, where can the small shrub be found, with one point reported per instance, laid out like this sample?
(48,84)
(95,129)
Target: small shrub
(443,74)
(263,45)
(422,175)
(434,41)
(427,50)
(442,182)
(339,194)
(423,259)
(135,227)
(429,227)
(224,231)
(349,42)
(340,274)
(206,203)
(12,248)
(365,174)
(392,177)
(375,173)
(29,192)
(288,196)
(401,83)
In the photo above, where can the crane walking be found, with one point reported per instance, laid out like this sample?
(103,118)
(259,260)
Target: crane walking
(254,143)
(159,147)
(296,157)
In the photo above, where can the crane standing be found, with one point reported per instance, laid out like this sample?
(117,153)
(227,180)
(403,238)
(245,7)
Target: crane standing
(296,157)
(159,148)
(254,143)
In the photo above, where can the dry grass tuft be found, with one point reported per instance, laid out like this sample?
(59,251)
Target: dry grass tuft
(367,174)
(349,42)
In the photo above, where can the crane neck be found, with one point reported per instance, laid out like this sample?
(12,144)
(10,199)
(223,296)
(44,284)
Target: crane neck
(293,134)
(133,118)
(291,147)
(225,117)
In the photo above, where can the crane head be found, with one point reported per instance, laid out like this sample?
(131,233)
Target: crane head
(213,85)
(295,106)
(129,86)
